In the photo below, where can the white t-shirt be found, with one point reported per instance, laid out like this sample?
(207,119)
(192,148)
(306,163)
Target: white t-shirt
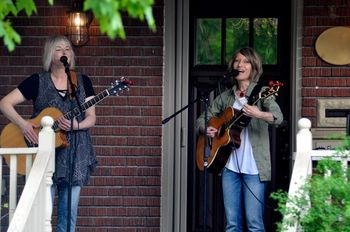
(242,159)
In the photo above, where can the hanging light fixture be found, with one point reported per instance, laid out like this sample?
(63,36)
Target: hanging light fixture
(78,24)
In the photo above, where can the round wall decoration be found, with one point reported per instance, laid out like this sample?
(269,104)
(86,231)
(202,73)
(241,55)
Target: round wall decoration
(333,45)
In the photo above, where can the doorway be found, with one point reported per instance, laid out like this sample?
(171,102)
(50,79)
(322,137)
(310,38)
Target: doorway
(206,211)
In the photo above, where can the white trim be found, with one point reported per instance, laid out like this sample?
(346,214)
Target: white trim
(175,97)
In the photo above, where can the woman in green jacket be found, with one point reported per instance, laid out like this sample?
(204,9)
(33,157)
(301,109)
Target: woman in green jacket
(248,168)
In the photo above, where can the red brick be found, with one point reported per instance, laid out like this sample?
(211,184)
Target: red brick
(124,191)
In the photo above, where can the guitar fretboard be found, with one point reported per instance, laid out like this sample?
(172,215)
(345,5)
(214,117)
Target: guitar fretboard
(79,110)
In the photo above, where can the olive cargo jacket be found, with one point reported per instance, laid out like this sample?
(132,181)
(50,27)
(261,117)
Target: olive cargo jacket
(257,128)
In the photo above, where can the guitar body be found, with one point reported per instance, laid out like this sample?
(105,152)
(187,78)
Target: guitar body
(220,146)
(12,137)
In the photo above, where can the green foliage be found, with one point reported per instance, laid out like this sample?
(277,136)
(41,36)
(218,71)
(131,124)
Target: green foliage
(237,36)
(265,39)
(27,5)
(208,41)
(323,203)
(237,31)
(6,31)
(7,7)
(107,13)
(344,147)
(9,34)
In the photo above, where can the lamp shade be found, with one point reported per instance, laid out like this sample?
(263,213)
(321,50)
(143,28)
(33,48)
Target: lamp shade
(78,25)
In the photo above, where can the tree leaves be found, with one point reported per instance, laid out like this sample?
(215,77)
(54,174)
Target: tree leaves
(108,14)
(7,7)
(10,36)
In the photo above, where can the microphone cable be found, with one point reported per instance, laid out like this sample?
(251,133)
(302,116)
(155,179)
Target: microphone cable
(246,185)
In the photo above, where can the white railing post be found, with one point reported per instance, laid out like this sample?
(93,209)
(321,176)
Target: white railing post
(304,136)
(301,168)
(50,169)
(34,209)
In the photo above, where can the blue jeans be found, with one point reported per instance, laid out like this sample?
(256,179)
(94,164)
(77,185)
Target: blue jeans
(62,205)
(239,200)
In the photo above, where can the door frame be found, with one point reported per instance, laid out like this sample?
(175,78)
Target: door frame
(175,96)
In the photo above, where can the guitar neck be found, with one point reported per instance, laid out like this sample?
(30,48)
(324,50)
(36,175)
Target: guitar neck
(272,90)
(86,105)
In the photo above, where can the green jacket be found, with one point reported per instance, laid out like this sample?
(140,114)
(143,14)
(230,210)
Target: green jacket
(257,128)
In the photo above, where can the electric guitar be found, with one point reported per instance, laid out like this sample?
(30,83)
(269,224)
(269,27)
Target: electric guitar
(12,137)
(229,125)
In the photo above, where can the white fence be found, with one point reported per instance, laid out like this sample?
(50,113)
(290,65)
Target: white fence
(302,167)
(34,209)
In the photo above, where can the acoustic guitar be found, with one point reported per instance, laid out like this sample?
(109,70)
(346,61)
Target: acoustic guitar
(229,125)
(12,137)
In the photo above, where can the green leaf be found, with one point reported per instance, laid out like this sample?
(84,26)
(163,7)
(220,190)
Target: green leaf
(107,13)
(27,5)
(7,7)
(10,36)
(150,19)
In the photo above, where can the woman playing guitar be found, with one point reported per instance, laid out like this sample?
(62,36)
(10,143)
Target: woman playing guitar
(248,165)
(53,89)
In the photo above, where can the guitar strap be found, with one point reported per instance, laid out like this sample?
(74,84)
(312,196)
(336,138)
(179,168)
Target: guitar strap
(73,76)
(243,119)
(254,94)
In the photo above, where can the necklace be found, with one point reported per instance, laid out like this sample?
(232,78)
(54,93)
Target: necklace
(242,92)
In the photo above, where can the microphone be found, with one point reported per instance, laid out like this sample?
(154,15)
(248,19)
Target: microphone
(64,60)
(226,76)
(233,73)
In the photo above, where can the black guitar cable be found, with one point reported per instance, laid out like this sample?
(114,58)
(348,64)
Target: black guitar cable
(246,185)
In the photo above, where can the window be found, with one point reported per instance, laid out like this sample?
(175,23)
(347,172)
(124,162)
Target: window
(218,38)
(208,50)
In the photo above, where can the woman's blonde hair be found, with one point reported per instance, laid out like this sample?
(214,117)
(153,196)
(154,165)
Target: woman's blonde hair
(254,60)
(49,48)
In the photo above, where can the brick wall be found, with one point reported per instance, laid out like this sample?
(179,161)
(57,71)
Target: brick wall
(321,79)
(124,191)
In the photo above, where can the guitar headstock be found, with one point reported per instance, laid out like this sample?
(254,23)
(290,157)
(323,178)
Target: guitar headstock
(274,87)
(119,86)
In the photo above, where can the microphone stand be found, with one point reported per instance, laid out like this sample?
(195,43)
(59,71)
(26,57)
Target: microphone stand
(205,162)
(204,98)
(71,96)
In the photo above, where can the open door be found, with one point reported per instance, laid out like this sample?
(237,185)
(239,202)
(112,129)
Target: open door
(217,29)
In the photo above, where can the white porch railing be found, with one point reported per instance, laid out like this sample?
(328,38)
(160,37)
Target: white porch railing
(302,167)
(34,209)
